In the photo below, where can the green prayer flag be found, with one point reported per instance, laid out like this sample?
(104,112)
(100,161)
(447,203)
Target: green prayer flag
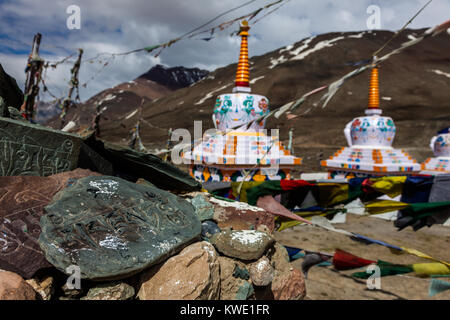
(264,189)
(386,269)
(151,48)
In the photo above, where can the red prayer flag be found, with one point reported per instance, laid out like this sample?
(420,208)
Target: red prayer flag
(294,184)
(343,260)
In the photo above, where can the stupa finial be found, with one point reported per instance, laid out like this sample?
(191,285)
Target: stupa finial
(374,94)
(243,69)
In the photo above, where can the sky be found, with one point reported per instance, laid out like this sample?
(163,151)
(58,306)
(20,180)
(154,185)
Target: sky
(116,26)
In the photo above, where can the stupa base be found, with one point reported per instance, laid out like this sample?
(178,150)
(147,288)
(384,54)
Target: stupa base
(367,162)
(334,173)
(208,174)
(435,166)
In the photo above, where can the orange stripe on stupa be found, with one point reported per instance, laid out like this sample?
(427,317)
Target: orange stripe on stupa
(243,68)
(374,94)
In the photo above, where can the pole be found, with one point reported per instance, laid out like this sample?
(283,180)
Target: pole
(34,72)
(73,85)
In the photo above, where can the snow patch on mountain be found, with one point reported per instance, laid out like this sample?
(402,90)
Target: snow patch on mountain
(357,36)
(256,79)
(131,114)
(319,45)
(442,73)
(211,94)
(275,62)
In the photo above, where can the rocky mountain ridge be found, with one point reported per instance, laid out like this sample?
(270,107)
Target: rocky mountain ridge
(413,91)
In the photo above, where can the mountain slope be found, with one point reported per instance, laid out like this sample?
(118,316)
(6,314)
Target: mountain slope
(174,78)
(414,91)
(119,101)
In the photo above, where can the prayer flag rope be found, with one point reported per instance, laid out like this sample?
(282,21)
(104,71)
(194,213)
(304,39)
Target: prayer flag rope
(343,260)
(329,194)
(336,85)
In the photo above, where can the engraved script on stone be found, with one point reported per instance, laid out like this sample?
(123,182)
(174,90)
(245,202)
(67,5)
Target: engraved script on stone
(112,228)
(22,202)
(27,149)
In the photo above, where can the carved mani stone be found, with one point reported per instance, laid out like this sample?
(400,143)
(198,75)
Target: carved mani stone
(22,202)
(111,228)
(34,150)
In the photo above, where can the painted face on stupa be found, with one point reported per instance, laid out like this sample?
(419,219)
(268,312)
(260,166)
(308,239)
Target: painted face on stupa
(234,110)
(372,131)
(263,106)
(441,145)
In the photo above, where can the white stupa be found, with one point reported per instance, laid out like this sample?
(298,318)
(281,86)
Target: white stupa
(370,151)
(240,150)
(440,164)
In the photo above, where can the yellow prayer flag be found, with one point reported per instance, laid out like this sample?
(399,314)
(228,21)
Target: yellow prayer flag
(382,206)
(392,186)
(429,269)
(246,185)
(332,193)
(423,255)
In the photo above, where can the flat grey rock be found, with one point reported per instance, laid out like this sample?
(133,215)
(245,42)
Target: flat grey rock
(112,228)
(131,165)
(34,150)
(22,203)
(242,244)
(203,208)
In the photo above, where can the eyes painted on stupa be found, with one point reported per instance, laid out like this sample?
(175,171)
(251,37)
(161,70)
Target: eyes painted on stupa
(263,105)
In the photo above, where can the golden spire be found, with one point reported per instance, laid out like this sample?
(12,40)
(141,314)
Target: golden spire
(374,94)
(243,72)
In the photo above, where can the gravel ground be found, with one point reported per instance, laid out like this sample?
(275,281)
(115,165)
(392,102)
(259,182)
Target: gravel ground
(329,284)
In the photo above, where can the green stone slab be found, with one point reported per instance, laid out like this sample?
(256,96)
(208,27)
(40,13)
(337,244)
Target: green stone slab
(112,228)
(34,150)
(203,208)
(132,164)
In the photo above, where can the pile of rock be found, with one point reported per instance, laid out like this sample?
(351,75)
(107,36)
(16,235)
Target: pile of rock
(135,241)
(85,219)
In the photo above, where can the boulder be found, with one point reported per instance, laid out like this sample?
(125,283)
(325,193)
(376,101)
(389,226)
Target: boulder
(242,216)
(110,291)
(13,287)
(70,293)
(231,286)
(9,90)
(245,291)
(261,272)
(288,285)
(111,228)
(242,273)
(34,150)
(203,208)
(242,244)
(92,160)
(288,282)
(22,202)
(131,164)
(145,182)
(44,288)
(194,274)
(209,228)
(279,257)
